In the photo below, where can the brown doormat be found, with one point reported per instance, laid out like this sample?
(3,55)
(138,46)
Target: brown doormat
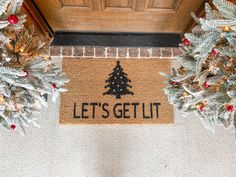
(109,91)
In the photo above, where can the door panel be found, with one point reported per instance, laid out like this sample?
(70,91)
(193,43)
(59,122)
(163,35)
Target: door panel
(168,4)
(120,5)
(75,3)
(118,15)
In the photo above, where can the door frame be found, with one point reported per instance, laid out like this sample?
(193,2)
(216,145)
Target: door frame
(35,16)
(108,39)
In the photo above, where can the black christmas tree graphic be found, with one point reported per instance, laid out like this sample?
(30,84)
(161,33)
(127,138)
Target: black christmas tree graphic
(118,83)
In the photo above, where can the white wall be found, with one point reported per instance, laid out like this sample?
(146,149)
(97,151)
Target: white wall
(184,149)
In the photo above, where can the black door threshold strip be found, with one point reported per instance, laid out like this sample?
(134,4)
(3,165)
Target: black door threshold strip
(117,39)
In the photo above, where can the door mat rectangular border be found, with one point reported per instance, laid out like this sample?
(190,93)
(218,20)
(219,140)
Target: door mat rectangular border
(110,91)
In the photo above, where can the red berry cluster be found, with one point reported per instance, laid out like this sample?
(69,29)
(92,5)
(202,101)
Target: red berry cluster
(186,42)
(230,108)
(26,73)
(13,126)
(13,19)
(174,83)
(54,86)
(215,52)
(201,107)
(205,85)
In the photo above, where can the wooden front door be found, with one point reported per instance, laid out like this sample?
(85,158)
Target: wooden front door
(118,15)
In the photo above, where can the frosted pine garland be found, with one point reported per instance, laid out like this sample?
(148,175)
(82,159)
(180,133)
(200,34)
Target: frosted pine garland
(27,73)
(205,84)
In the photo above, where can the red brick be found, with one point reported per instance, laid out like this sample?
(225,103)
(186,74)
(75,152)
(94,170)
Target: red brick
(111,52)
(166,52)
(176,52)
(66,51)
(156,52)
(55,50)
(145,52)
(122,52)
(78,51)
(89,52)
(100,52)
(133,52)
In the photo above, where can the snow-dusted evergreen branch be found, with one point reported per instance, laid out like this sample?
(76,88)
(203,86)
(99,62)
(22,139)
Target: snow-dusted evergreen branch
(26,71)
(205,84)
(3,6)
(226,8)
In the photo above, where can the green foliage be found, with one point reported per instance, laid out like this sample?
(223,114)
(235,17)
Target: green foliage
(205,84)
(3,6)
(26,71)
(226,8)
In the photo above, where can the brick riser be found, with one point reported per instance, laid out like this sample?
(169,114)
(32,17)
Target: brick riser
(111,52)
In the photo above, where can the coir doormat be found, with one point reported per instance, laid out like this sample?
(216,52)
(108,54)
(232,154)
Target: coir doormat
(108,91)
